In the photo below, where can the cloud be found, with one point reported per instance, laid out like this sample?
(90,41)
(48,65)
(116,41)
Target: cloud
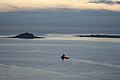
(105,1)
(18,5)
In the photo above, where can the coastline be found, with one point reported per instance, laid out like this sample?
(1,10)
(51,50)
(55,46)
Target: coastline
(99,36)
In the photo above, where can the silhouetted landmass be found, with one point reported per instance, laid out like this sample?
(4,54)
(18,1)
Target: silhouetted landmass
(26,36)
(99,36)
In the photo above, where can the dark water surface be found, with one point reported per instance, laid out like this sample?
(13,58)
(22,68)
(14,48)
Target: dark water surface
(22,59)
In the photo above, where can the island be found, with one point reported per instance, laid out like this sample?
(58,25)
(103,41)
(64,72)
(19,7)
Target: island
(25,36)
(98,36)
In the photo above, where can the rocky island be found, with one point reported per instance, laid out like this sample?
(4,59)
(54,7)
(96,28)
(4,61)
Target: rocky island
(26,36)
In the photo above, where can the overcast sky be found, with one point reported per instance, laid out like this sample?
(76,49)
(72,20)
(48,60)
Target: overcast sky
(101,14)
(16,5)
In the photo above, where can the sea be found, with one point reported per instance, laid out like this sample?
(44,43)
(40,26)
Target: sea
(40,59)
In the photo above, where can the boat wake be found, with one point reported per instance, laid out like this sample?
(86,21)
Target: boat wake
(96,63)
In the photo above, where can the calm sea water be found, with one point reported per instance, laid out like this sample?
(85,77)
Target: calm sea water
(23,59)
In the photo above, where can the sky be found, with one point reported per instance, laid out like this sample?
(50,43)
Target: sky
(16,5)
(78,15)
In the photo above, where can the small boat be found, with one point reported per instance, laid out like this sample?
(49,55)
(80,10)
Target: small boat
(66,57)
(63,57)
